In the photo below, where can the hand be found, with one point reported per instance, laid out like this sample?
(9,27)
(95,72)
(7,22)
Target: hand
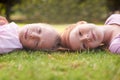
(3,20)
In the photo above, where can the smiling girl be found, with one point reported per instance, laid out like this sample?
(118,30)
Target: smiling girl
(83,35)
(37,36)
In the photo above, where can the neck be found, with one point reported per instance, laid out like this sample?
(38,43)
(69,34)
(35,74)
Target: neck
(108,33)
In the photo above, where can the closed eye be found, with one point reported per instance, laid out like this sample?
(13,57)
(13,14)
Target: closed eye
(39,31)
(80,33)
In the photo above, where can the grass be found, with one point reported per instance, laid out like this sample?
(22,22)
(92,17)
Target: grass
(40,65)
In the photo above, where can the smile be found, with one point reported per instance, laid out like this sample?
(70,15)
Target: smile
(93,35)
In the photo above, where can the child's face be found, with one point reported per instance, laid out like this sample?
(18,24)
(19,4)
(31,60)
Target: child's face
(85,36)
(38,36)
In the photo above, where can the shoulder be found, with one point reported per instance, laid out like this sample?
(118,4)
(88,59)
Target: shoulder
(113,19)
(115,45)
(13,24)
(114,16)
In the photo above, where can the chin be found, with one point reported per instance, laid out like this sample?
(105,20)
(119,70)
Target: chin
(94,46)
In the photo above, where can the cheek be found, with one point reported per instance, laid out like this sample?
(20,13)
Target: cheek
(27,43)
(99,34)
(92,45)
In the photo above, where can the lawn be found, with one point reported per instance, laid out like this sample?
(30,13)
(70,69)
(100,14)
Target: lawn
(40,65)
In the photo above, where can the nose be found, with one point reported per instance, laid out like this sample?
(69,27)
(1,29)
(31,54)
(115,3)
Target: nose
(34,35)
(85,38)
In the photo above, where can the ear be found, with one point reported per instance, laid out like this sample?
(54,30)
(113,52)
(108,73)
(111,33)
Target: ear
(81,22)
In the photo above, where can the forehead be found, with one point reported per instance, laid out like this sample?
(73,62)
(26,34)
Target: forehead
(48,42)
(81,27)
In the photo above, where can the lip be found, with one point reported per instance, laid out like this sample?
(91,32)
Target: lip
(93,35)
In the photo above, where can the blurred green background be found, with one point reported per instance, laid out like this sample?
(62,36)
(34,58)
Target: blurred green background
(58,11)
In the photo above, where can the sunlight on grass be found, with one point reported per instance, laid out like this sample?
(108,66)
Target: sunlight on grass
(39,65)
(21,25)
(60,28)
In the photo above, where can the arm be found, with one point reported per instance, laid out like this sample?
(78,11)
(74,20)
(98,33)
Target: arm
(113,19)
(115,46)
(3,21)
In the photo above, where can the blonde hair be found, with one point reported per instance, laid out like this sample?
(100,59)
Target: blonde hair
(65,36)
